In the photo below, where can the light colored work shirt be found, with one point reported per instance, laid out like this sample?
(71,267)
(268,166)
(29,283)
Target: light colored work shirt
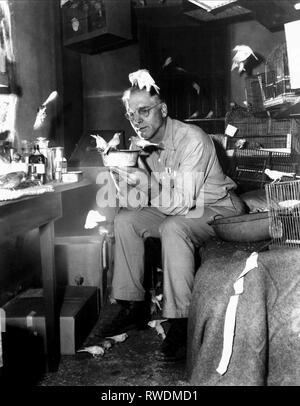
(190,153)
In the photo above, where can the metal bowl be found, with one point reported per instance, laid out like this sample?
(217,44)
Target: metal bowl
(243,228)
(121,157)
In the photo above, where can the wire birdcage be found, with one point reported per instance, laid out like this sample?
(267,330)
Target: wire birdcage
(283,200)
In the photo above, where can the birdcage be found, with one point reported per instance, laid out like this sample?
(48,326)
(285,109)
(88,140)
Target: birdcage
(275,81)
(283,200)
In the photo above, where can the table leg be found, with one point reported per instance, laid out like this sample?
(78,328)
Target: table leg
(50,295)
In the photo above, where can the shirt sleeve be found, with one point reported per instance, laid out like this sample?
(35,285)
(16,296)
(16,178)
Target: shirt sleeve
(185,191)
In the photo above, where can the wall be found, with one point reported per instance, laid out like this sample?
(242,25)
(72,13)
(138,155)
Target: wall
(35,34)
(261,40)
(105,77)
(36,40)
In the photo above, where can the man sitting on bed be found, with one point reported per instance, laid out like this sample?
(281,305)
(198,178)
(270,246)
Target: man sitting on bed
(182,187)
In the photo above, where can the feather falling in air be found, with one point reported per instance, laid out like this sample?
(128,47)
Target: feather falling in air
(142,78)
(242,54)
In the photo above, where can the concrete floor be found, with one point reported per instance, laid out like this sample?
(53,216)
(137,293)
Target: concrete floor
(134,362)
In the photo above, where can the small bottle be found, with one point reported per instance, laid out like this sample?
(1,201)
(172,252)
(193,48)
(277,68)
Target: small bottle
(57,156)
(37,163)
(64,166)
(25,152)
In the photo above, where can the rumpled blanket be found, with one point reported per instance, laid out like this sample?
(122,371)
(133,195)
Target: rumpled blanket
(266,345)
(12,194)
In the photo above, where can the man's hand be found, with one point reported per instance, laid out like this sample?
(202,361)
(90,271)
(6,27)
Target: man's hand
(131,176)
(133,186)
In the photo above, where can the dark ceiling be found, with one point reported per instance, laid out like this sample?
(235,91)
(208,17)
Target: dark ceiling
(273,14)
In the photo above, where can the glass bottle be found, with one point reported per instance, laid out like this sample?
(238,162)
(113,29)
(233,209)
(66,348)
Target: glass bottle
(57,157)
(25,152)
(37,164)
(64,165)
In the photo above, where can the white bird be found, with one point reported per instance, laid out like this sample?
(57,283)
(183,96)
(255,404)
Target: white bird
(142,143)
(95,350)
(240,143)
(50,98)
(196,86)
(41,115)
(106,344)
(113,143)
(142,78)
(167,62)
(277,175)
(100,142)
(158,327)
(242,54)
(119,338)
(93,218)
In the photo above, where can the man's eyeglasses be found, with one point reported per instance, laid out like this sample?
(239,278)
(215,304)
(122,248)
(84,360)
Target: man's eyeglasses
(143,112)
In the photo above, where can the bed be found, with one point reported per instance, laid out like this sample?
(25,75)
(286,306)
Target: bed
(262,340)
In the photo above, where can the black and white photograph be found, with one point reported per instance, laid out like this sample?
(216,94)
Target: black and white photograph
(149,197)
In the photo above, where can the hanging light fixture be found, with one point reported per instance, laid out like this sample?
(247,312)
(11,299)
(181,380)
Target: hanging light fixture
(210,5)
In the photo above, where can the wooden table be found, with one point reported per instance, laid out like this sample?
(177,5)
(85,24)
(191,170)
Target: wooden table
(40,211)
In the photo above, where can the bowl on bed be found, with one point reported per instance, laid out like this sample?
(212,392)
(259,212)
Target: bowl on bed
(244,228)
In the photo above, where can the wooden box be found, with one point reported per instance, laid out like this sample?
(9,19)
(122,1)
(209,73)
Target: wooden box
(78,315)
(79,260)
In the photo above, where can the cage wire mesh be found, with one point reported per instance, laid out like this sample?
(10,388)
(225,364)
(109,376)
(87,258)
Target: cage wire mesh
(283,201)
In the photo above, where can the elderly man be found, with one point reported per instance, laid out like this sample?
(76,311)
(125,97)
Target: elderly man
(184,189)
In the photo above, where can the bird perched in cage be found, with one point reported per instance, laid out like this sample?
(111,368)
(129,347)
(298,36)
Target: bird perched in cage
(241,143)
(242,54)
(113,143)
(277,175)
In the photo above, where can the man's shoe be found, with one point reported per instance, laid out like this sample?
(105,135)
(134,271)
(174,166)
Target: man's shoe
(132,315)
(174,345)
